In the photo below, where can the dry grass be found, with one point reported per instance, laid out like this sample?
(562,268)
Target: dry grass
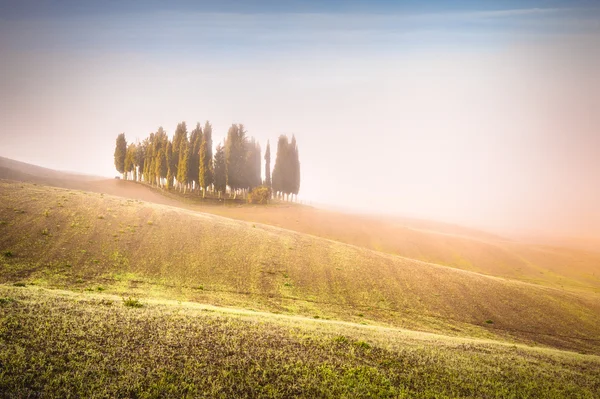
(265,268)
(553,266)
(74,345)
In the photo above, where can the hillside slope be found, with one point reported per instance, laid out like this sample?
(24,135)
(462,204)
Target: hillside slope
(549,265)
(62,344)
(75,240)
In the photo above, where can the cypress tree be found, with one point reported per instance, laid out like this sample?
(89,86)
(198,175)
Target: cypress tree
(120,153)
(140,152)
(179,136)
(195,143)
(268,165)
(183,166)
(169,160)
(235,157)
(252,176)
(129,163)
(206,162)
(220,170)
(159,165)
(210,169)
(180,147)
(295,167)
(204,171)
(281,168)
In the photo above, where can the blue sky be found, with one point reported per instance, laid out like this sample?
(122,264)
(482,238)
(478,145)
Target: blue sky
(273,27)
(74,7)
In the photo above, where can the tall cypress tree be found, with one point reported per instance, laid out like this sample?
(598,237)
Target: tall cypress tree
(129,163)
(179,135)
(184,164)
(180,141)
(170,163)
(160,165)
(120,153)
(206,162)
(220,170)
(195,143)
(204,171)
(209,178)
(140,158)
(235,156)
(295,167)
(252,169)
(281,168)
(268,165)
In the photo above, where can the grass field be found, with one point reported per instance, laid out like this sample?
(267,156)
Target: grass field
(79,241)
(105,296)
(62,344)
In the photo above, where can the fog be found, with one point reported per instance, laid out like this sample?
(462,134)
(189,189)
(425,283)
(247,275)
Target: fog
(498,130)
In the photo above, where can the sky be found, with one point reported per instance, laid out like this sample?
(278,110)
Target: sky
(484,114)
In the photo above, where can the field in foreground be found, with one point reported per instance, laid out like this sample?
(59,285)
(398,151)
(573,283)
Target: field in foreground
(62,344)
(73,240)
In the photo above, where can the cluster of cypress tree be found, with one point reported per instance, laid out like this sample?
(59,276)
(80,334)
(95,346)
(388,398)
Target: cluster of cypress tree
(187,163)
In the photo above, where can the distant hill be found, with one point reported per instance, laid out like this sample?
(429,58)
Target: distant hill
(21,171)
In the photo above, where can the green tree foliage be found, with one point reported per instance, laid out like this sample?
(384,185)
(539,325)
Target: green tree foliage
(294,166)
(179,136)
(220,169)
(180,141)
(196,137)
(280,170)
(235,157)
(286,173)
(188,161)
(129,163)
(160,147)
(149,163)
(160,165)
(268,165)
(206,171)
(183,167)
(140,158)
(120,153)
(252,171)
(170,165)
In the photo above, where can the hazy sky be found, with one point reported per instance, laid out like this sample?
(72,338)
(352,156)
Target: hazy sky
(480,113)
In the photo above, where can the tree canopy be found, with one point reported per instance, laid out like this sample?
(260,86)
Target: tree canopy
(120,153)
(187,162)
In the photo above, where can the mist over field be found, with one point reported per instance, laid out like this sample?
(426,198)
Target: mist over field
(491,109)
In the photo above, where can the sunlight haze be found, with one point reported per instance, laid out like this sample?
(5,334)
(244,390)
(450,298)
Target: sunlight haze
(482,117)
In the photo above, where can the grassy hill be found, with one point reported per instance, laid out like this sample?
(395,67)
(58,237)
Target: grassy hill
(75,240)
(63,344)
(562,265)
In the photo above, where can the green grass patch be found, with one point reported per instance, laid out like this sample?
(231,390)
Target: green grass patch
(178,351)
(6,300)
(132,303)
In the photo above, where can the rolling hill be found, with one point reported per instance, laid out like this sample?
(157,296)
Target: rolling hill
(67,239)
(563,264)
(114,289)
